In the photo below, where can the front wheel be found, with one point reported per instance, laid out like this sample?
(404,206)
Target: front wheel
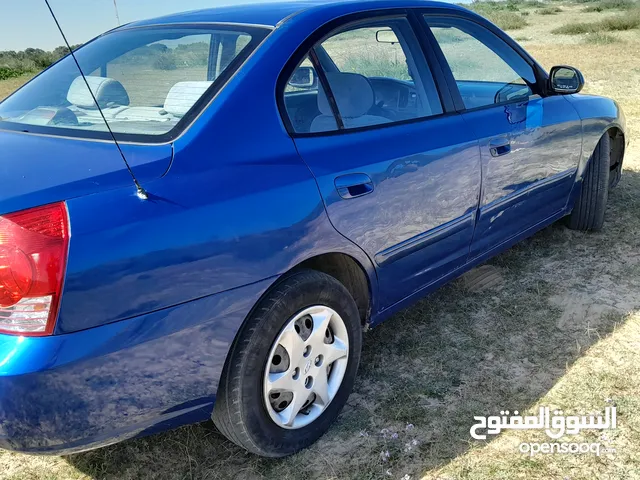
(292,367)
(588,211)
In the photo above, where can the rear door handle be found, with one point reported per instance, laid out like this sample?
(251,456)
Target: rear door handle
(353,185)
(499,146)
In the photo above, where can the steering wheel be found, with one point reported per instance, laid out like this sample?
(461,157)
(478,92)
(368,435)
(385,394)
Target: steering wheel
(379,111)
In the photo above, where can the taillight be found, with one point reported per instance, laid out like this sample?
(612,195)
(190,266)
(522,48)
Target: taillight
(33,256)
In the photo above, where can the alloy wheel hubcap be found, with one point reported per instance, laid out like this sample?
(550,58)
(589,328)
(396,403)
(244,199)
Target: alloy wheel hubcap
(305,367)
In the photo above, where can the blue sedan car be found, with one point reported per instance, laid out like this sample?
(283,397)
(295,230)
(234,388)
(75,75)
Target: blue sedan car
(201,213)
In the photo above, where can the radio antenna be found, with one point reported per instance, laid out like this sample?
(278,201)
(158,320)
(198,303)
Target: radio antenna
(141,192)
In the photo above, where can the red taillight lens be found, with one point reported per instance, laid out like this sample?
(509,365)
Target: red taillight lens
(33,254)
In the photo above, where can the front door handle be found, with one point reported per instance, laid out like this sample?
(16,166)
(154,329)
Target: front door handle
(499,146)
(353,185)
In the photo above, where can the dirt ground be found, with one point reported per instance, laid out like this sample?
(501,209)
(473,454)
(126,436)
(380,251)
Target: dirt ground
(558,325)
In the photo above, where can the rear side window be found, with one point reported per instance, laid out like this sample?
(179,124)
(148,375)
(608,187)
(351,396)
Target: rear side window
(375,73)
(486,70)
(146,81)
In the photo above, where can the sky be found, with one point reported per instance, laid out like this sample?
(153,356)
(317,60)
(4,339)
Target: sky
(27,23)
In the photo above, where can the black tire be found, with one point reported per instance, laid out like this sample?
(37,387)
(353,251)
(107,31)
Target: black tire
(588,211)
(239,412)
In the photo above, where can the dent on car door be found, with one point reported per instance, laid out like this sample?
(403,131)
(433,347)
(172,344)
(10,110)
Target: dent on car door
(398,178)
(530,144)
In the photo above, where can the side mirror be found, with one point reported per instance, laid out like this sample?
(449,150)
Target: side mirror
(303,77)
(386,36)
(564,79)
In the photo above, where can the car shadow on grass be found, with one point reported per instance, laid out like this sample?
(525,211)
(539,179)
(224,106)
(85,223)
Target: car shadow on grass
(430,369)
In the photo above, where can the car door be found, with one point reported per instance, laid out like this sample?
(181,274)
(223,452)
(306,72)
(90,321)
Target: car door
(530,144)
(399,176)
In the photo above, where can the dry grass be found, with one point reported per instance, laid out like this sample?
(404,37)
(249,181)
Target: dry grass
(9,86)
(561,329)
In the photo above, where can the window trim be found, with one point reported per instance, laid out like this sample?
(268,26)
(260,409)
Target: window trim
(339,23)
(326,86)
(258,33)
(539,73)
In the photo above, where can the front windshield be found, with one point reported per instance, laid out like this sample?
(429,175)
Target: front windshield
(145,81)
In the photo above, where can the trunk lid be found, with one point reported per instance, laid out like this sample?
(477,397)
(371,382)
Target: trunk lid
(37,169)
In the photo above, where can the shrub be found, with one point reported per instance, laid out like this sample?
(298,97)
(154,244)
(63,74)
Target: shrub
(507,20)
(603,5)
(628,21)
(599,38)
(8,72)
(534,4)
(165,61)
(376,66)
(549,11)
(621,22)
(503,13)
(14,64)
(576,28)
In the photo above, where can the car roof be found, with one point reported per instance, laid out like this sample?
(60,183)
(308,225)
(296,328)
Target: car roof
(272,13)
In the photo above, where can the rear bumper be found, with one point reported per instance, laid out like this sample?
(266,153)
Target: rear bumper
(83,390)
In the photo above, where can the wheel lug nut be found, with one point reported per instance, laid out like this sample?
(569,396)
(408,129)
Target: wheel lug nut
(319,360)
(308,382)
(307,351)
(296,373)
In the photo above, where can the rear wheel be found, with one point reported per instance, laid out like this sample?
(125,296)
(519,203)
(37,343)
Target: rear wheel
(588,211)
(292,367)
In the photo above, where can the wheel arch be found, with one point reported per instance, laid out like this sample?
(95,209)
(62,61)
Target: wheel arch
(618,144)
(348,271)
(345,268)
(359,280)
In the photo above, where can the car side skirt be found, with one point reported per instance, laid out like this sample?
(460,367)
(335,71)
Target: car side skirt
(386,313)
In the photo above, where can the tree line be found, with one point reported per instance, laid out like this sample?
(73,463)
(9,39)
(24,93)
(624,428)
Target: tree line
(30,60)
(159,56)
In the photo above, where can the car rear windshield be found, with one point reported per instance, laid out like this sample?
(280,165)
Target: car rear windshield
(148,83)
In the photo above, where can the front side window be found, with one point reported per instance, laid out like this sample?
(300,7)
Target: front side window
(376,74)
(145,82)
(486,70)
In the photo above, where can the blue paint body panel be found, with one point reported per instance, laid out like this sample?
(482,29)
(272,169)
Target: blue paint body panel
(155,291)
(41,170)
(425,174)
(533,181)
(112,382)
